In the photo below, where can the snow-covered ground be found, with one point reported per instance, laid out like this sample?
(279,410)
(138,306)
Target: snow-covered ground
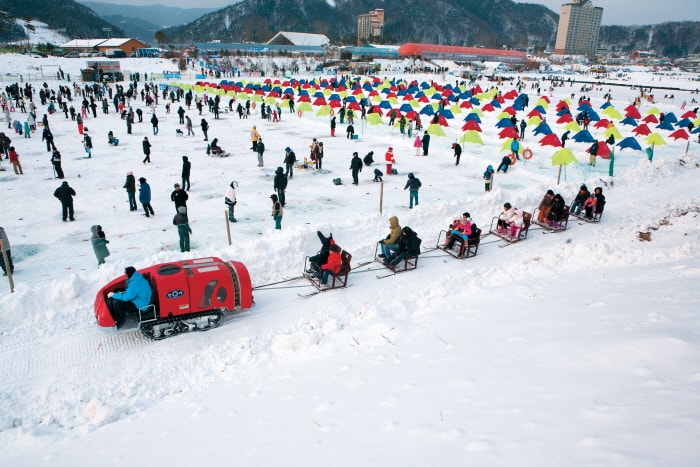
(577,348)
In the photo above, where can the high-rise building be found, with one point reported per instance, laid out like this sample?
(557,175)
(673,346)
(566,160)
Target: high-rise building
(370,25)
(579,27)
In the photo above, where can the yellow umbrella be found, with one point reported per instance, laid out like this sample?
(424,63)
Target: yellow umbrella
(393,101)
(477,111)
(655,139)
(435,129)
(503,115)
(612,113)
(376,98)
(374,119)
(543,103)
(456,109)
(535,120)
(323,111)
(506,144)
(270,100)
(562,157)
(613,131)
(572,126)
(653,111)
(243,95)
(257,98)
(471,136)
(305,107)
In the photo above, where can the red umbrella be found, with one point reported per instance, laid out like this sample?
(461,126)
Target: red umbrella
(510,132)
(561,105)
(488,108)
(602,123)
(500,99)
(510,110)
(471,125)
(566,118)
(411,115)
(642,130)
(442,121)
(376,110)
(510,95)
(319,101)
(603,150)
(679,133)
(651,118)
(354,106)
(335,104)
(465,105)
(551,140)
(632,111)
(535,113)
(689,114)
(546,99)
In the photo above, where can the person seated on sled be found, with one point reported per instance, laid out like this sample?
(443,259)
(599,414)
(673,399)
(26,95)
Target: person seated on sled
(391,243)
(600,203)
(332,265)
(214,147)
(409,247)
(137,296)
(545,206)
(589,206)
(461,230)
(556,211)
(581,198)
(516,223)
(504,218)
(320,258)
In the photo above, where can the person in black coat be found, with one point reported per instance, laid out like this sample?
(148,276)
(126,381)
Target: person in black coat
(146,150)
(409,247)
(130,187)
(505,163)
(154,122)
(426,143)
(179,197)
(320,258)
(356,167)
(186,166)
(205,128)
(457,148)
(280,184)
(56,161)
(65,194)
(289,159)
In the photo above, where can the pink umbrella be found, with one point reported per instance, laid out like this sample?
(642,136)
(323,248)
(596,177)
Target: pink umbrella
(551,140)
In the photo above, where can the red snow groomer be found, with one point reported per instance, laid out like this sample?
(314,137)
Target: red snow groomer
(190,295)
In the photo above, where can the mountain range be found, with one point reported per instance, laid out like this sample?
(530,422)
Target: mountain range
(489,23)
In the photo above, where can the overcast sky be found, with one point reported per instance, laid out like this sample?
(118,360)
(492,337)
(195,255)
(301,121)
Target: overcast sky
(616,11)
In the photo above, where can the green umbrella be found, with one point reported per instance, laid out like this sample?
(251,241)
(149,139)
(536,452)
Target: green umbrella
(471,136)
(534,121)
(612,113)
(653,111)
(572,126)
(305,107)
(436,130)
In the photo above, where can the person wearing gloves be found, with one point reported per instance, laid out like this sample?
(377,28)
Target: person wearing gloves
(137,296)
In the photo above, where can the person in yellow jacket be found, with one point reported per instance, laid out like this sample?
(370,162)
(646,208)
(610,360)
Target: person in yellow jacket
(254,135)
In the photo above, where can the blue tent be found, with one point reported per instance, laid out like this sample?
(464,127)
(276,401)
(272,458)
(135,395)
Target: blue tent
(629,142)
(542,129)
(629,121)
(583,136)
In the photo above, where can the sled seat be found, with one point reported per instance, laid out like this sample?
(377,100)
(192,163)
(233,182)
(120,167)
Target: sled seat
(522,232)
(335,281)
(466,249)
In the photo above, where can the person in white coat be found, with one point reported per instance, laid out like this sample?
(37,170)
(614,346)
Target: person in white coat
(230,200)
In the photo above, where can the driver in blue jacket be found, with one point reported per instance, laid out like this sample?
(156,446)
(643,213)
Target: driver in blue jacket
(137,296)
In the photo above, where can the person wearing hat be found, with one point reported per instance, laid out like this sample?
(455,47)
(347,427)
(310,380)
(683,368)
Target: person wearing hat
(277,212)
(137,296)
(356,167)
(457,148)
(280,184)
(289,159)
(389,156)
(145,196)
(186,167)
(130,186)
(65,194)
(183,228)
(179,197)
(412,185)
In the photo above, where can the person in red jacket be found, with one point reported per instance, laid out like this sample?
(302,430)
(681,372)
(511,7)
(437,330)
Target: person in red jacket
(389,156)
(14,160)
(333,264)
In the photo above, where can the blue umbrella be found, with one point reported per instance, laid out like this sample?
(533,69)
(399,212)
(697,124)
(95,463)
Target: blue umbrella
(583,136)
(665,125)
(504,123)
(593,116)
(583,107)
(385,104)
(427,110)
(606,105)
(542,129)
(519,105)
(447,113)
(563,111)
(496,104)
(629,121)
(696,130)
(671,117)
(629,142)
(683,123)
(476,118)
(405,108)
(540,109)
(474,101)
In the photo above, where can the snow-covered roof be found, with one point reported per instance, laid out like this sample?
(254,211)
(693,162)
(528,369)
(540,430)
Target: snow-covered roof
(115,42)
(300,38)
(83,43)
